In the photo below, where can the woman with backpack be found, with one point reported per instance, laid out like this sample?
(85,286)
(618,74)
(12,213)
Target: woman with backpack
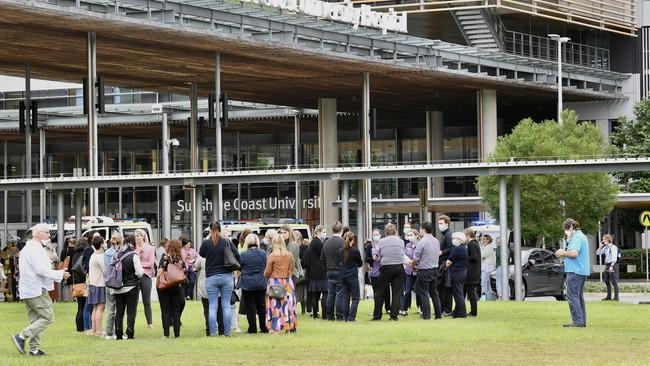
(171,299)
(280,299)
(126,295)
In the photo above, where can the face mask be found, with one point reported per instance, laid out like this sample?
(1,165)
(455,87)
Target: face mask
(376,237)
(442,227)
(456,242)
(567,233)
(407,231)
(265,241)
(46,242)
(322,235)
(411,238)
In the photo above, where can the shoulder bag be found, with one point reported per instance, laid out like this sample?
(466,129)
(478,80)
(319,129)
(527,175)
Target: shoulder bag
(170,277)
(229,260)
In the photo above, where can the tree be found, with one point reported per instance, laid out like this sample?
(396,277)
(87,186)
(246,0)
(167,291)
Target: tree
(632,137)
(546,200)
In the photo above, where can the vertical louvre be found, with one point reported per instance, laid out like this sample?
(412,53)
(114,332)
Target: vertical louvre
(645,76)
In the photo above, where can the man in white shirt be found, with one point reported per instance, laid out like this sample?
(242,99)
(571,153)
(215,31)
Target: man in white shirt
(36,279)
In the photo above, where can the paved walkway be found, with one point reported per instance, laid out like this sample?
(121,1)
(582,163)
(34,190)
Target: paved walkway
(626,298)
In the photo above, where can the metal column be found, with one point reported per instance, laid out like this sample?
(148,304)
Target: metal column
(41,168)
(78,205)
(90,99)
(503,225)
(345,204)
(360,235)
(194,159)
(217,190)
(6,197)
(60,221)
(516,227)
(166,195)
(296,157)
(28,143)
(119,171)
(197,217)
(365,127)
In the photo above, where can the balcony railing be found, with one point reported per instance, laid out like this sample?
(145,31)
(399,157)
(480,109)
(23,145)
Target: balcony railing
(544,48)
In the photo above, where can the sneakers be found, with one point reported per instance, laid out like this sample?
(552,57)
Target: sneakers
(38,353)
(574,325)
(237,330)
(111,337)
(607,299)
(19,342)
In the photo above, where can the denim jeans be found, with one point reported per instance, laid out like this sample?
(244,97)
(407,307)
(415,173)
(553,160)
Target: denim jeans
(409,286)
(498,280)
(219,285)
(333,296)
(575,287)
(110,312)
(88,311)
(349,289)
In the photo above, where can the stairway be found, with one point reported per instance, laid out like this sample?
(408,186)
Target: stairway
(477,30)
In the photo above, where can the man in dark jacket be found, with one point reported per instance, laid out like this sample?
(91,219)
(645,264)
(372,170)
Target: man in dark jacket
(473,279)
(316,273)
(445,247)
(331,260)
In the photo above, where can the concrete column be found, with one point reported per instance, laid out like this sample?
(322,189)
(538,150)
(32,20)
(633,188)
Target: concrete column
(217,190)
(197,215)
(328,157)
(487,122)
(345,203)
(194,159)
(503,223)
(166,192)
(5,231)
(516,228)
(78,205)
(60,221)
(360,232)
(28,143)
(119,172)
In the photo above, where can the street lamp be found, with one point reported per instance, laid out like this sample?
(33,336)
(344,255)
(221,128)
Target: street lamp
(560,40)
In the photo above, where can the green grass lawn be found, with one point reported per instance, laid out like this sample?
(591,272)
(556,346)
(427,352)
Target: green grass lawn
(527,333)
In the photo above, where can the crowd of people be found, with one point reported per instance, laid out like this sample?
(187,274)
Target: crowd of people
(268,276)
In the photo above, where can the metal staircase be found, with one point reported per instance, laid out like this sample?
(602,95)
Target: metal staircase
(481,28)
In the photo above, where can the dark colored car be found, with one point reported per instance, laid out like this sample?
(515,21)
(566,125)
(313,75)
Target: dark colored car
(542,274)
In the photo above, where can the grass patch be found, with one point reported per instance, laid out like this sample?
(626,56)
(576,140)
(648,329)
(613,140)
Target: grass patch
(503,334)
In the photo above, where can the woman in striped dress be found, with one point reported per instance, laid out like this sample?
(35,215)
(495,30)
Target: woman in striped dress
(280,314)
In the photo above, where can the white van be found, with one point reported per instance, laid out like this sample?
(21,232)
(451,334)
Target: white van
(123,227)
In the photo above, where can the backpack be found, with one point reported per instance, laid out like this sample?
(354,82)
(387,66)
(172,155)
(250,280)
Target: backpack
(113,275)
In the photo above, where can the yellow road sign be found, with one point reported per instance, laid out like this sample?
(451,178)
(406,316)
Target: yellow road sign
(645,218)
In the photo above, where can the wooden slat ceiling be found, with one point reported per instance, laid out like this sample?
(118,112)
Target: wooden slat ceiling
(166,57)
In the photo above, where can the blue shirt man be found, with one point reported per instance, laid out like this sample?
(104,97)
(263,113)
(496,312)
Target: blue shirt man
(576,267)
(580,264)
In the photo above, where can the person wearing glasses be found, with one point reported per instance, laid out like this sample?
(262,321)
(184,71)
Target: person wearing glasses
(36,278)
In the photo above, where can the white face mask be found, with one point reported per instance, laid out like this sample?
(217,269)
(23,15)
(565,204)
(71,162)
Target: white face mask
(322,235)
(46,242)
(376,237)
(411,238)
(456,242)
(407,230)
(442,227)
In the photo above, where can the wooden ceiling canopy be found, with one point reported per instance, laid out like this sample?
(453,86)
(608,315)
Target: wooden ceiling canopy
(150,55)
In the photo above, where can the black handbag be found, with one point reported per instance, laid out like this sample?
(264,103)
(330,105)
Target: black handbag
(229,260)
(277,292)
(77,266)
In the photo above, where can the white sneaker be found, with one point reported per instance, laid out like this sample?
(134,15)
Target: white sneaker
(111,337)
(237,330)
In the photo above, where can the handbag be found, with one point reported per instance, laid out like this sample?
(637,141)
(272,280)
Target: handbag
(234,297)
(77,266)
(78,290)
(277,292)
(172,276)
(229,261)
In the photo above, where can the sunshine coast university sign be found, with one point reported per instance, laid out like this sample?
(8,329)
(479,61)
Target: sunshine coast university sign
(342,12)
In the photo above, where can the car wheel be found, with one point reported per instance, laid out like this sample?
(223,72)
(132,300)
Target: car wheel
(562,295)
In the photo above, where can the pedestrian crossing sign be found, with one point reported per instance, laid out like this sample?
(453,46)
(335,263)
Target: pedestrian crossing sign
(645,218)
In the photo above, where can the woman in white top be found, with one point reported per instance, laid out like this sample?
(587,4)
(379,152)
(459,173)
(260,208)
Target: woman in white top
(488,264)
(97,289)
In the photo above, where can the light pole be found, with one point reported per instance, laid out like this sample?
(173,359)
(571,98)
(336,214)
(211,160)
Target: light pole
(560,40)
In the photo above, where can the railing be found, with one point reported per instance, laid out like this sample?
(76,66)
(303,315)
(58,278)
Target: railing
(528,45)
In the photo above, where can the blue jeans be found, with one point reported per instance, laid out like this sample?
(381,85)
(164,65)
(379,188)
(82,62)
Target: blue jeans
(349,288)
(333,296)
(486,288)
(575,288)
(219,285)
(88,311)
(409,286)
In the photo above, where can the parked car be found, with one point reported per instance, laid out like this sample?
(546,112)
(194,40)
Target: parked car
(542,274)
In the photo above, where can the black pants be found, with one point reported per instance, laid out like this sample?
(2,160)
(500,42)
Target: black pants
(457,287)
(255,308)
(374,282)
(426,286)
(145,289)
(315,296)
(471,291)
(206,311)
(611,280)
(127,301)
(444,292)
(79,319)
(171,300)
(393,276)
